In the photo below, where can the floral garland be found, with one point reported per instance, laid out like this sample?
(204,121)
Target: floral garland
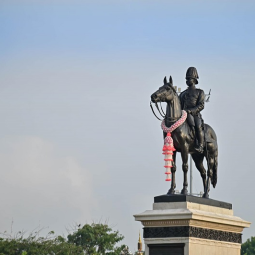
(168,147)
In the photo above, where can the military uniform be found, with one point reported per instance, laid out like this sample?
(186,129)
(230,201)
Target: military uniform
(192,100)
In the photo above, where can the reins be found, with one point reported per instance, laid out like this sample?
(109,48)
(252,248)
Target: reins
(160,111)
(154,112)
(162,115)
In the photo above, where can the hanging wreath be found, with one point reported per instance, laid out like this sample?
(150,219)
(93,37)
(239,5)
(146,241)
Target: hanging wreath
(168,147)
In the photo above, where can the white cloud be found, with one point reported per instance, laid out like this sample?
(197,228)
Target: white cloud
(41,186)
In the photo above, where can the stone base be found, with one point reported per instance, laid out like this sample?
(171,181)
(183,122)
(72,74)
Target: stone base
(187,225)
(191,246)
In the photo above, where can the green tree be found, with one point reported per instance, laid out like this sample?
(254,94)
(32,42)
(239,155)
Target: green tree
(248,248)
(97,239)
(91,239)
(35,245)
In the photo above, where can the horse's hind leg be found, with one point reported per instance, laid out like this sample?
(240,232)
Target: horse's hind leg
(173,170)
(198,159)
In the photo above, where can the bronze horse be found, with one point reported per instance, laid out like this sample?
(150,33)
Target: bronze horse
(184,141)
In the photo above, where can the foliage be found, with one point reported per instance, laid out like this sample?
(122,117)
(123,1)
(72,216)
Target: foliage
(248,248)
(34,245)
(96,239)
(90,239)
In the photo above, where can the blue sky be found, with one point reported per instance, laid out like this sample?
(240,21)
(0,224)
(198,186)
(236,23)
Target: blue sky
(188,28)
(76,79)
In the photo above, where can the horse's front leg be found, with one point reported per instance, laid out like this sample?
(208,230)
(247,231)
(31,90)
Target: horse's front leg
(184,155)
(173,170)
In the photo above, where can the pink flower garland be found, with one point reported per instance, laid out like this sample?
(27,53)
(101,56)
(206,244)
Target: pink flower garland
(168,147)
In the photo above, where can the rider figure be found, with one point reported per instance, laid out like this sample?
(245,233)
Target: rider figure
(192,101)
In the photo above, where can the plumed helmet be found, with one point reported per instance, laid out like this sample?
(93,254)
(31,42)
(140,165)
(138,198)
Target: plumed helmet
(192,73)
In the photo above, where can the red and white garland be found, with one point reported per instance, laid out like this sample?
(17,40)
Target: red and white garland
(168,147)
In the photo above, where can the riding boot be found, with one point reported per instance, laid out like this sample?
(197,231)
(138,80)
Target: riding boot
(200,138)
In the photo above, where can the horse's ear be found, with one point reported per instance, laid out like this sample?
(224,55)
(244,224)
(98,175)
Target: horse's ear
(165,81)
(171,80)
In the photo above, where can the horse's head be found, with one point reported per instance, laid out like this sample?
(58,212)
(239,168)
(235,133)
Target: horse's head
(165,93)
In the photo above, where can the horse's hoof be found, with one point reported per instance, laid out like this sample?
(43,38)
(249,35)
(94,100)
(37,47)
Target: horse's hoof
(171,192)
(206,195)
(184,192)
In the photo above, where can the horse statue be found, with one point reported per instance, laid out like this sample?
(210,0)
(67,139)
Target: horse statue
(184,141)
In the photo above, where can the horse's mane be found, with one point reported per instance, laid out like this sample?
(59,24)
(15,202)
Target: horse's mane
(173,89)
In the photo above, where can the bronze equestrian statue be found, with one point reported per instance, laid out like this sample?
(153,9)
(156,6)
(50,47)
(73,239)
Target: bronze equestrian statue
(184,137)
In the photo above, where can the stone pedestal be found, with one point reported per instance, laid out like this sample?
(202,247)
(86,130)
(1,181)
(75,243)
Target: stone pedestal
(189,225)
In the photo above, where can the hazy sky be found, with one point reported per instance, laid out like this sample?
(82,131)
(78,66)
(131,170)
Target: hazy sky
(78,142)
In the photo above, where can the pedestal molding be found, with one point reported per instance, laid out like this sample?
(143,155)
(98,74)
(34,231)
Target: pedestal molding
(194,223)
(189,231)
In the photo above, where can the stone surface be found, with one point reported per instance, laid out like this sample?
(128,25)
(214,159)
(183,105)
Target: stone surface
(193,199)
(195,206)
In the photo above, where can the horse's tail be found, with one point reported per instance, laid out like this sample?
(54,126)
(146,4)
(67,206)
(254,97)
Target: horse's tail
(215,170)
(213,153)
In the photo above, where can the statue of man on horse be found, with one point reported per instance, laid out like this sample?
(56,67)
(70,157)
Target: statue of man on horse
(185,132)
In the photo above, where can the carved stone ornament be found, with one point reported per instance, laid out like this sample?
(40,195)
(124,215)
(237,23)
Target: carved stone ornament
(188,231)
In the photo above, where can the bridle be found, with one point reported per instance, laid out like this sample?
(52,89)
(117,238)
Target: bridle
(162,114)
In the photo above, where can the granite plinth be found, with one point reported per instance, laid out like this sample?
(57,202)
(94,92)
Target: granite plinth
(191,199)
